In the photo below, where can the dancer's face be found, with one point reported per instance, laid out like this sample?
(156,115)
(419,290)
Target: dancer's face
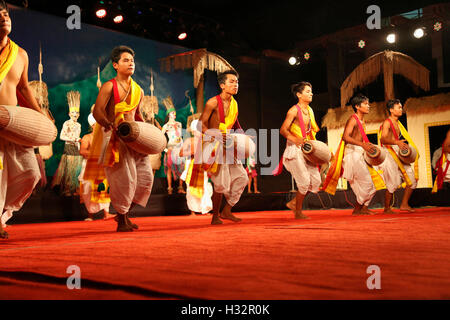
(306,95)
(231,84)
(173,115)
(364,107)
(125,65)
(74,115)
(397,110)
(5,22)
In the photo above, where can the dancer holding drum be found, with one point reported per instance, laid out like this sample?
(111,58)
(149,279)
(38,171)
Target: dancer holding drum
(128,172)
(228,175)
(357,156)
(299,127)
(21,128)
(397,168)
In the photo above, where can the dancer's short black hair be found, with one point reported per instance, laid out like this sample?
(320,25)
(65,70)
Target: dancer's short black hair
(391,103)
(3,5)
(222,77)
(117,52)
(357,100)
(299,87)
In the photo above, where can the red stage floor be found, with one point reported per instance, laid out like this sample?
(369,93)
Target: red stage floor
(269,255)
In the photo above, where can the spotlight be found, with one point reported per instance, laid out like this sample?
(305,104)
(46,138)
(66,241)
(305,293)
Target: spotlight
(118,19)
(361,44)
(101,13)
(292,60)
(419,33)
(307,56)
(182,36)
(391,38)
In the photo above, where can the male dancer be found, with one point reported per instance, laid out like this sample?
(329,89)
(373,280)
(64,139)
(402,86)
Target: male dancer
(19,170)
(298,126)
(129,173)
(394,171)
(363,178)
(229,179)
(441,163)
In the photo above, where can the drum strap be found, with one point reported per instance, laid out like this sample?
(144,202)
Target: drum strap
(396,136)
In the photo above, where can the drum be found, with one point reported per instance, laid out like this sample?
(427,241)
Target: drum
(142,137)
(375,157)
(407,156)
(316,152)
(244,146)
(26,127)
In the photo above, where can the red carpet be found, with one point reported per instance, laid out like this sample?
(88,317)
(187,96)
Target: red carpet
(269,255)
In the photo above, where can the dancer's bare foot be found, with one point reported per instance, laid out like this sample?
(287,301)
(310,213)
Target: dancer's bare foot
(181,190)
(133,225)
(365,210)
(3,233)
(169,190)
(215,219)
(299,215)
(122,225)
(257,191)
(107,215)
(407,209)
(226,214)
(389,211)
(291,204)
(193,213)
(357,210)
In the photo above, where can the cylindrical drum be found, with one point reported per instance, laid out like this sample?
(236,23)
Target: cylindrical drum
(408,155)
(316,152)
(142,137)
(26,127)
(243,145)
(376,156)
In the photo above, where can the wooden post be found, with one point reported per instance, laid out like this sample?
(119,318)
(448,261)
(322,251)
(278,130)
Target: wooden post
(199,94)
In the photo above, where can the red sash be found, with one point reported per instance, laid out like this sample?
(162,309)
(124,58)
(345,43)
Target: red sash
(236,125)
(361,129)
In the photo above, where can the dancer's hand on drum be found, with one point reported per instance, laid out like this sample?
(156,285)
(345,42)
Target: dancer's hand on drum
(367,146)
(109,126)
(298,141)
(402,144)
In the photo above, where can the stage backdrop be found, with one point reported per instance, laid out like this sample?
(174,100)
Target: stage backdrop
(71,57)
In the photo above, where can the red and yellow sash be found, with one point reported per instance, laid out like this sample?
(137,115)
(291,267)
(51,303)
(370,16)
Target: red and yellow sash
(196,171)
(441,171)
(336,170)
(300,132)
(94,169)
(394,155)
(7,58)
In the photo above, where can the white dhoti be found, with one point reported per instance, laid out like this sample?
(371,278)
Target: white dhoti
(130,180)
(392,175)
(19,176)
(358,175)
(230,180)
(306,175)
(86,193)
(195,204)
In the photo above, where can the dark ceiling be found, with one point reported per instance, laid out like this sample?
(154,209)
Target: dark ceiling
(234,28)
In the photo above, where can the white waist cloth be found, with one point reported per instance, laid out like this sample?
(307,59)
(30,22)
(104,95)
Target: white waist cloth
(357,174)
(19,176)
(306,175)
(392,175)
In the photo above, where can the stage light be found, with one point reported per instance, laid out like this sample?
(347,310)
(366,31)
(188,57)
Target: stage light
(391,38)
(292,60)
(419,33)
(182,36)
(118,19)
(101,13)
(307,56)
(361,44)
(437,26)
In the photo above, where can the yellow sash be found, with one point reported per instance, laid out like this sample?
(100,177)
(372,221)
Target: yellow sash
(7,58)
(297,131)
(94,171)
(195,174)
(394,155)
(435,185)
(335,172)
